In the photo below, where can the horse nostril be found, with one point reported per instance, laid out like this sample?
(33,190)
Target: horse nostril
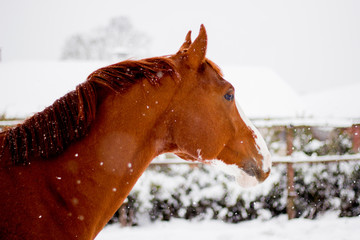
(250,171)
(253,170)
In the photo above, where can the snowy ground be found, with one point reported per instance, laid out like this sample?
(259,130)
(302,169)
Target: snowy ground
(327,227)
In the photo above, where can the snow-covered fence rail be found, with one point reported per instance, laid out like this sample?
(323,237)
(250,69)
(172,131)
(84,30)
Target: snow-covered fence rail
(9,123)
(277,159)
(317,159)
(305,122)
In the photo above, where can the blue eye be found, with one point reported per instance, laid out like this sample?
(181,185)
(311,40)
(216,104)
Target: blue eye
(229,97)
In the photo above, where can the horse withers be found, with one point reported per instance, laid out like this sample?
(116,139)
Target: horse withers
(66,170)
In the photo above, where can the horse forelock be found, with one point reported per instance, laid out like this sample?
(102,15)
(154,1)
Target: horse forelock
(48,133)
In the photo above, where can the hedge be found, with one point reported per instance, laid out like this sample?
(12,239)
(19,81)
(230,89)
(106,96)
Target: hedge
(182,191)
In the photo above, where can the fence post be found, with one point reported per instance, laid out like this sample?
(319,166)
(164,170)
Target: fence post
(291,194)
(356,137)
(123,216)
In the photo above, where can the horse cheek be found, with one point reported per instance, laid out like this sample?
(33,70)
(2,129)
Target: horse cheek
(208,137)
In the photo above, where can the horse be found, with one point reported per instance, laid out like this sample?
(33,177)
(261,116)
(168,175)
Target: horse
(66,170)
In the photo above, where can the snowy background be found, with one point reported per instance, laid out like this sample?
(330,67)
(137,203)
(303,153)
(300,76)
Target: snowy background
(311,44)
(300,59)
(29,86)
(327,227)
(292,61)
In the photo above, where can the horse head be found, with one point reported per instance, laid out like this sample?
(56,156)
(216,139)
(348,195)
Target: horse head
(206,123)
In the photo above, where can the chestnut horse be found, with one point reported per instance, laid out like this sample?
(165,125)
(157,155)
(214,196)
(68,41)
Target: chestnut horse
(66,170)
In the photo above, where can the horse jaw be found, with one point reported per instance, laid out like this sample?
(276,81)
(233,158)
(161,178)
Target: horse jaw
(241,177)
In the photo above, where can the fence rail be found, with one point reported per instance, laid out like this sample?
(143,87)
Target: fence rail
(276,160)
(9,123)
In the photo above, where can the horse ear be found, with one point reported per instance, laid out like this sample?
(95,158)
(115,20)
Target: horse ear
(187,42)
(197,50)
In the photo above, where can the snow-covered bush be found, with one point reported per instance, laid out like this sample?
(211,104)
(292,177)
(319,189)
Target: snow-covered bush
(182,191)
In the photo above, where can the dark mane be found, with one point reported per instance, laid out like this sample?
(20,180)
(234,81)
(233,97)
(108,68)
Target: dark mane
(50,132)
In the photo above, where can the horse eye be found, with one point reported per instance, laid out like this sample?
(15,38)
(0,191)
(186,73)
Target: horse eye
(229,97)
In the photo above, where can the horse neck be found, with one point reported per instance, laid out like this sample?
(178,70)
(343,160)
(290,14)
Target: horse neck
(126,135)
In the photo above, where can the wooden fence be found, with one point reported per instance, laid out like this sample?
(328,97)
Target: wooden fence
(290,126)
(290,174)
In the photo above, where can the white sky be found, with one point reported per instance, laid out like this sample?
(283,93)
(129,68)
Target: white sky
(312,44)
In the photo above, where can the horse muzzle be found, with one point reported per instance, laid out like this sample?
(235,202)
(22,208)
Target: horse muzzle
(252,169)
